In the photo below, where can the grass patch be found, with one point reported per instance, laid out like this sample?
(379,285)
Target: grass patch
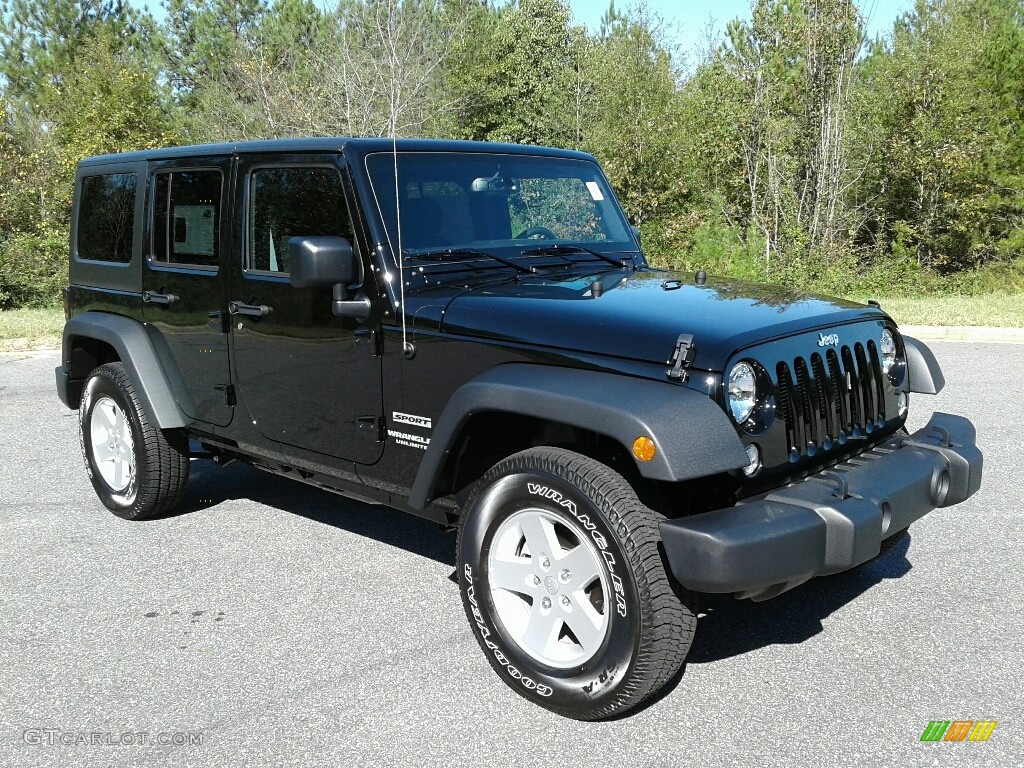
(31,328)
(995,310)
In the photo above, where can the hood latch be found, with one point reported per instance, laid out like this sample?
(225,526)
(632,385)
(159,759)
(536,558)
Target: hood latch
(682,357)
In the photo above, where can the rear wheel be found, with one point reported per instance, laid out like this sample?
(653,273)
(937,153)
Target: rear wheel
(563,583)
(136,469)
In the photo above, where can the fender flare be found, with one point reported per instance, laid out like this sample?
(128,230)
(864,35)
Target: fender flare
(923,370)
(137,353)
(692,434)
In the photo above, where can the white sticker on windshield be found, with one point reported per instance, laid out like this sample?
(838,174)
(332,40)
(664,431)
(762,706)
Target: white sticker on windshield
(595,191)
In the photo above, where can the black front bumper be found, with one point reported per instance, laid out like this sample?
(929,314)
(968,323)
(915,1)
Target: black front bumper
(831,521)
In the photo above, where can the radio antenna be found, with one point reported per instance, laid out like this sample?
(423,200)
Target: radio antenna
(407,348)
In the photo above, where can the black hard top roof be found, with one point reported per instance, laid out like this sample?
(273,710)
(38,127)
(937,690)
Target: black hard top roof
(362,146)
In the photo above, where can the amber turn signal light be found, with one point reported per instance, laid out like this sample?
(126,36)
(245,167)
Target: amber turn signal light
(643,448)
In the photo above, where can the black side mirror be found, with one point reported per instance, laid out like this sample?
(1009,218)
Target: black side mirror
(321,262)
(328,262)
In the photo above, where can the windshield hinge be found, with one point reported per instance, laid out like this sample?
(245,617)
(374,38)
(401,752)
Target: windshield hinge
(682,357)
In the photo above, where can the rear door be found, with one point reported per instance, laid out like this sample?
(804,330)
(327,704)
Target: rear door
(183,286)
(309,379)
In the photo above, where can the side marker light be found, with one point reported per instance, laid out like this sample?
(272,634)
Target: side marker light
(643,448)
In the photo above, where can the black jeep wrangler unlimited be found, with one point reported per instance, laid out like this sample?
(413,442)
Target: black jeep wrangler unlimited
(469,332)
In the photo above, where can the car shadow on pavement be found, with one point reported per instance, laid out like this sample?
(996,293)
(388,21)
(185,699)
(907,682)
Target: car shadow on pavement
(727,627)
(210,484)
(730,627)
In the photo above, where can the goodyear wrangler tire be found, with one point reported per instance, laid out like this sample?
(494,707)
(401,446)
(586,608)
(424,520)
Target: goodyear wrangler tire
(136,469)
(564,585)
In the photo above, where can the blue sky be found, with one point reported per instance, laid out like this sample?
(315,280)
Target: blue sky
(690,19)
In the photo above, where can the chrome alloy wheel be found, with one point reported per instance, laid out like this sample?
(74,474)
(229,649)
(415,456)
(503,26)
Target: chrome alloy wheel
(112,445)
(549,588)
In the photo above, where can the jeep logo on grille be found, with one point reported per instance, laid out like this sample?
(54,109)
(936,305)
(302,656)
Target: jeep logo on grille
(828,339)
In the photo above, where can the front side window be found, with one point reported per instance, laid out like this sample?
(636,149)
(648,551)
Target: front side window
(106,217)
(292,202)
(186,218)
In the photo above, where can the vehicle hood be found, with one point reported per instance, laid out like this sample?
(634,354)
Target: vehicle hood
(640,315)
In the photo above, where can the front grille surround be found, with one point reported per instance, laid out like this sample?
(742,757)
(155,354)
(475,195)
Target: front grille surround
(829,397)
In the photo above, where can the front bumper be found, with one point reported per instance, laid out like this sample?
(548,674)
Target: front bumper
(829,522)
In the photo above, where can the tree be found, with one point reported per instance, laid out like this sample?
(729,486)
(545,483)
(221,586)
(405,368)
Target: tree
(511,76)
(206,36)
(795,62)
(946,173)
(371,67)
(42,40)
(80,79)
(634,122)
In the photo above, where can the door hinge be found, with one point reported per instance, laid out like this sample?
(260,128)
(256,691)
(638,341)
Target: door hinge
(219,320)
(371,426)
(367,338)
(228,391)
(682,357)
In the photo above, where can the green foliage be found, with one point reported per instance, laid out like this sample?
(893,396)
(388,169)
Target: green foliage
(116,105)
(33,269)
(514,71)
(791,68)
(205,36)
(80,80)
(636,84)
(41,41)
(788,153)
(944,163)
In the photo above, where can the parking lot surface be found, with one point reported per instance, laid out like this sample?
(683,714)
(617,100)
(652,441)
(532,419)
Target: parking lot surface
(272,624)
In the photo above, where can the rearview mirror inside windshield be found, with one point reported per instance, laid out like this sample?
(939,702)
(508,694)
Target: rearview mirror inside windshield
(496,185)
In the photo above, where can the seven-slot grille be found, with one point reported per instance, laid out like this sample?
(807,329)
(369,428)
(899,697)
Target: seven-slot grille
(830,398)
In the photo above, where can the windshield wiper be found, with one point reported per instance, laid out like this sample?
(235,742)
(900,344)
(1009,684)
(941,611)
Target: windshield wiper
(437,255)
(556,249)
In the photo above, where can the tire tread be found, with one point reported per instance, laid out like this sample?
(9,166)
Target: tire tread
(161,462)
(667,620)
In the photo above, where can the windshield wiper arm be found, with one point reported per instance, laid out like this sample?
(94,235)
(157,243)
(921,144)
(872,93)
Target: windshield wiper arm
(437,255)
(558,248)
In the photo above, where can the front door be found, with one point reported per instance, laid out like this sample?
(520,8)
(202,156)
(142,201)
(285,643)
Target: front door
(309,379)
(183,285)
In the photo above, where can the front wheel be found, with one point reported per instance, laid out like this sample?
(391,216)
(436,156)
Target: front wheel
(564,585)
(136,469)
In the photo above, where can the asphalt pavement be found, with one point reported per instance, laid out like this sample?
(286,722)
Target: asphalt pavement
(271,624)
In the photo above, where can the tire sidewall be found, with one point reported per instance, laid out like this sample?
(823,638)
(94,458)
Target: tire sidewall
(102,383)
(579,688)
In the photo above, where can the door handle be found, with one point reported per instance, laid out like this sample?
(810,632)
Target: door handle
(164,299)
(252,310)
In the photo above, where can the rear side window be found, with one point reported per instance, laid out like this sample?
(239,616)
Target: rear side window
(106,217)
(292,202)
(186,218)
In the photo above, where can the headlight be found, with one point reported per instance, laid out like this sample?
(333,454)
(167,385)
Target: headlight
(742,391)
(894,363)
(887,347)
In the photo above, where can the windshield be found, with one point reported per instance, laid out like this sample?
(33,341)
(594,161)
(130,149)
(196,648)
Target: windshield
(463,205)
